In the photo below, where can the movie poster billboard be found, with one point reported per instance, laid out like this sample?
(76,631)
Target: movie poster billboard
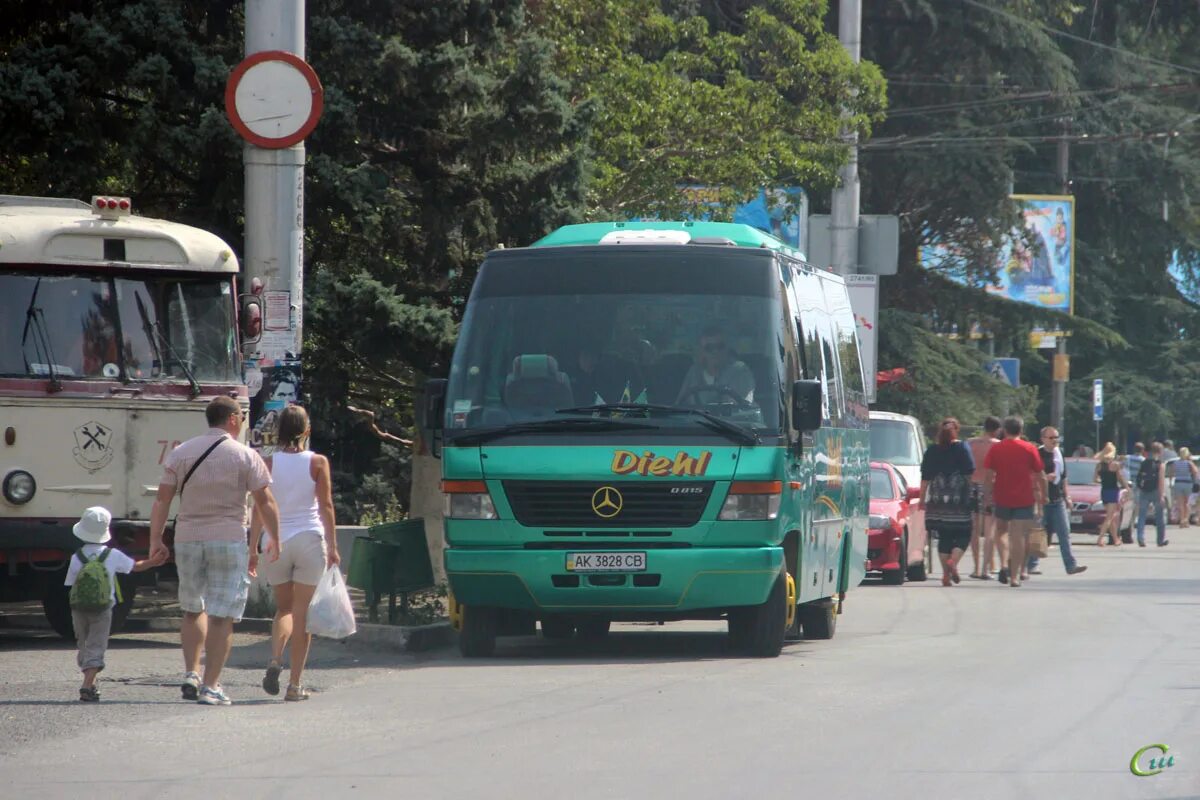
(1035,264)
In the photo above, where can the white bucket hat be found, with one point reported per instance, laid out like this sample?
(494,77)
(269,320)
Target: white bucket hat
(93,525)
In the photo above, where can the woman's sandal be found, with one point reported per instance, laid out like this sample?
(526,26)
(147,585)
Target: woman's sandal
(295,693)
(89,694)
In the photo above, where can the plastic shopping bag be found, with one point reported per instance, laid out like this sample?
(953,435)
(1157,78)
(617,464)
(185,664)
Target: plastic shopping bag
(330,614)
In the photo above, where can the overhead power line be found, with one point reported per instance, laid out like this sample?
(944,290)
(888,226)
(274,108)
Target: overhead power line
(1065,35)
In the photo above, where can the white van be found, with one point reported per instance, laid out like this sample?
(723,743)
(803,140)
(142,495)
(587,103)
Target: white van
(899,440)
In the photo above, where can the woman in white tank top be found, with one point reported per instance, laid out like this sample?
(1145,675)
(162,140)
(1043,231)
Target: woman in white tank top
(307,544)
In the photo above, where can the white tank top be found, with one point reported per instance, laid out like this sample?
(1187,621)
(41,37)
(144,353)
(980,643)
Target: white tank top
(295,493)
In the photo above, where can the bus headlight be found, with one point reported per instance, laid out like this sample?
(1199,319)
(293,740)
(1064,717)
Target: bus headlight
(19,487)
(751,500)
(468,500)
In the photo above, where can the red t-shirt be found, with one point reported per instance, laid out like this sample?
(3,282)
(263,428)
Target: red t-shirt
(1015,462)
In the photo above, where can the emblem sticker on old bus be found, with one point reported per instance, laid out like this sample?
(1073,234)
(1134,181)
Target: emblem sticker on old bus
(93,446)
(626,462)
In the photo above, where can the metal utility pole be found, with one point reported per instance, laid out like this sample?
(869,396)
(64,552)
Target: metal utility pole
(1058,395)
(844,212)
(275,191)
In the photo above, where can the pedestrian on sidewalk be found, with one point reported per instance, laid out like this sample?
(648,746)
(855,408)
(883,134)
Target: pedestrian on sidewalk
(982,523)
(1108,474)
(1183,470)
(92,576)
(1016,477)
(1133,463)
(307,545)
(947,497)
(1152,490)
(1058,500)
(211,549)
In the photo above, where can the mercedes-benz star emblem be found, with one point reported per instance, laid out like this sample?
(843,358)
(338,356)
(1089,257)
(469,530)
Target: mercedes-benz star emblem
(607,502)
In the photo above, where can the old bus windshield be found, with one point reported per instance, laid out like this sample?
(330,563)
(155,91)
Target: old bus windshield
(92,326)
(546,331)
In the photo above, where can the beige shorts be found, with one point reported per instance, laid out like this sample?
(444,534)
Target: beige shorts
(301,560)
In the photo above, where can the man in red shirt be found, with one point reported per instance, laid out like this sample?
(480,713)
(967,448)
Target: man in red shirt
(1017,482)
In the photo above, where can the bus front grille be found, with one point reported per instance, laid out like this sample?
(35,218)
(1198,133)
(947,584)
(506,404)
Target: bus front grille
(589,505)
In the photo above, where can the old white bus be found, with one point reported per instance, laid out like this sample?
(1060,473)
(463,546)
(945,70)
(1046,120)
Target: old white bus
(115,332)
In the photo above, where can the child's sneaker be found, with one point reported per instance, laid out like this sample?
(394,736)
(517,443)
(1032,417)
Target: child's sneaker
(213,697)
(190,686)
(89,694)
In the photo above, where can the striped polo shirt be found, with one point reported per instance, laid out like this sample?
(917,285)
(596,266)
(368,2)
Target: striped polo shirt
(213,505)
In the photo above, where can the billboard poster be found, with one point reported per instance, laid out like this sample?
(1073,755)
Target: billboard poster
(1035,264)
(781,212)
(278,387)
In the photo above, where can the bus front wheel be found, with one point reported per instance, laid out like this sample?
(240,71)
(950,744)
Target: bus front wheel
(477,639)
(758,630)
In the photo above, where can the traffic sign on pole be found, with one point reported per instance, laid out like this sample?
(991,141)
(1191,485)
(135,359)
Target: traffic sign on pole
(1097,400)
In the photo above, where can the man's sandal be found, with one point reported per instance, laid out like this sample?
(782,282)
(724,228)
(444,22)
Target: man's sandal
(295,693)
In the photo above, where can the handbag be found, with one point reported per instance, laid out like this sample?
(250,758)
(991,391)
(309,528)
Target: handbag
(1038,545)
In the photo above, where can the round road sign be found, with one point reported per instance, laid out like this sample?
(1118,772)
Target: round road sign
(274,99)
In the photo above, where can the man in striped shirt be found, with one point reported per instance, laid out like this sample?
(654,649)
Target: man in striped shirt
(212,473)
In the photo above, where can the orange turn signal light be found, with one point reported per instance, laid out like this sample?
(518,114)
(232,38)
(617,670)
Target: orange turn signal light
(464,487)
(756,487)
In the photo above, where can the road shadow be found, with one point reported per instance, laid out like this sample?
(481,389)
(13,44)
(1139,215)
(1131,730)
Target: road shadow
(82,704)
(619,648)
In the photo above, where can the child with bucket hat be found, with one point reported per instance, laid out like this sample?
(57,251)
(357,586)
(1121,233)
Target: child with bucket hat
(92,577)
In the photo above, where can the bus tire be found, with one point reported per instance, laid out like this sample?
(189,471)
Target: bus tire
(56,605)
(819,620)
(477,639)
(593,628)
(758,630)
(557,628)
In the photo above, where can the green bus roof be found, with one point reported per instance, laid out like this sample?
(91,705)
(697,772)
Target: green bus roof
(591,233)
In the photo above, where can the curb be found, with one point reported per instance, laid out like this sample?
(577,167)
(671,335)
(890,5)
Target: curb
(401,638)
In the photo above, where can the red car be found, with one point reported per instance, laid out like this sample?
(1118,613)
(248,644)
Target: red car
(887,534)
(1086,511)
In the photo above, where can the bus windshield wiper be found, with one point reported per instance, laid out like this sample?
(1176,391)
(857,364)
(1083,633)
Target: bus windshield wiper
(731,430)
(36,318)
(187,372)
(552,425)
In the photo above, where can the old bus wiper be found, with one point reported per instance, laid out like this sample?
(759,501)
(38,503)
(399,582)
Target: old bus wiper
(735,432)
(187,372)
(547,426)
(36,318)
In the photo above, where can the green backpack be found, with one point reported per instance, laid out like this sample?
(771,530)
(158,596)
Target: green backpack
(93,588)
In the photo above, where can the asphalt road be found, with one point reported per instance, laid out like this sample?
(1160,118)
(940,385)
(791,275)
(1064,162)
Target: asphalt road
(978,691)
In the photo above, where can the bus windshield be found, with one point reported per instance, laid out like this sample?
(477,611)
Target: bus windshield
(117,328)
(571,328)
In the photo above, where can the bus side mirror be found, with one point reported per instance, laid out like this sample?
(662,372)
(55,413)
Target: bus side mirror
(250,319)
(433,411)
(806,406)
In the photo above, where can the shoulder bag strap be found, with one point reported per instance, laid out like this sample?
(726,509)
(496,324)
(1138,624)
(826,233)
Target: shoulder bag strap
(197,463)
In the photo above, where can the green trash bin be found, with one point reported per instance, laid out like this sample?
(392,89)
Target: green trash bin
(411,568)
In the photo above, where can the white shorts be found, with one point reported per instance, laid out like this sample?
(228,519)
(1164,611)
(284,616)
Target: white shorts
(301,560)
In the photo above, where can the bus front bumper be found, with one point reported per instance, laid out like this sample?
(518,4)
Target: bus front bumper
(674,581)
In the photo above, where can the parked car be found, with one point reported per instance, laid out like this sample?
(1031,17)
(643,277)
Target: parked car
(899,440)
(892,504)
(1086,511)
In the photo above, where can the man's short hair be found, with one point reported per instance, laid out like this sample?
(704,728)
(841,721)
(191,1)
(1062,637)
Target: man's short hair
(1156,449)
(991,424)
(1168,444)
(1013,426)
(1138,447)
(219,410)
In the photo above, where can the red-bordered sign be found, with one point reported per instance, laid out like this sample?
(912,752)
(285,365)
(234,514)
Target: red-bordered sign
(288,109)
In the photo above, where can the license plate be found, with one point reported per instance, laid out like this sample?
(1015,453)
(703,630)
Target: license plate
(1077,519)
(606,562)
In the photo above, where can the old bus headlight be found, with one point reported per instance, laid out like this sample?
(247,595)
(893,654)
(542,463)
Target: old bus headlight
(750,500)
(468,500)
(19,487)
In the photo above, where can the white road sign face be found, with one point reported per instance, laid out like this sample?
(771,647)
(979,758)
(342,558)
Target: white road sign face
(274,99)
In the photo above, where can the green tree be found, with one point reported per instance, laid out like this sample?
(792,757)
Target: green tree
(724,93)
